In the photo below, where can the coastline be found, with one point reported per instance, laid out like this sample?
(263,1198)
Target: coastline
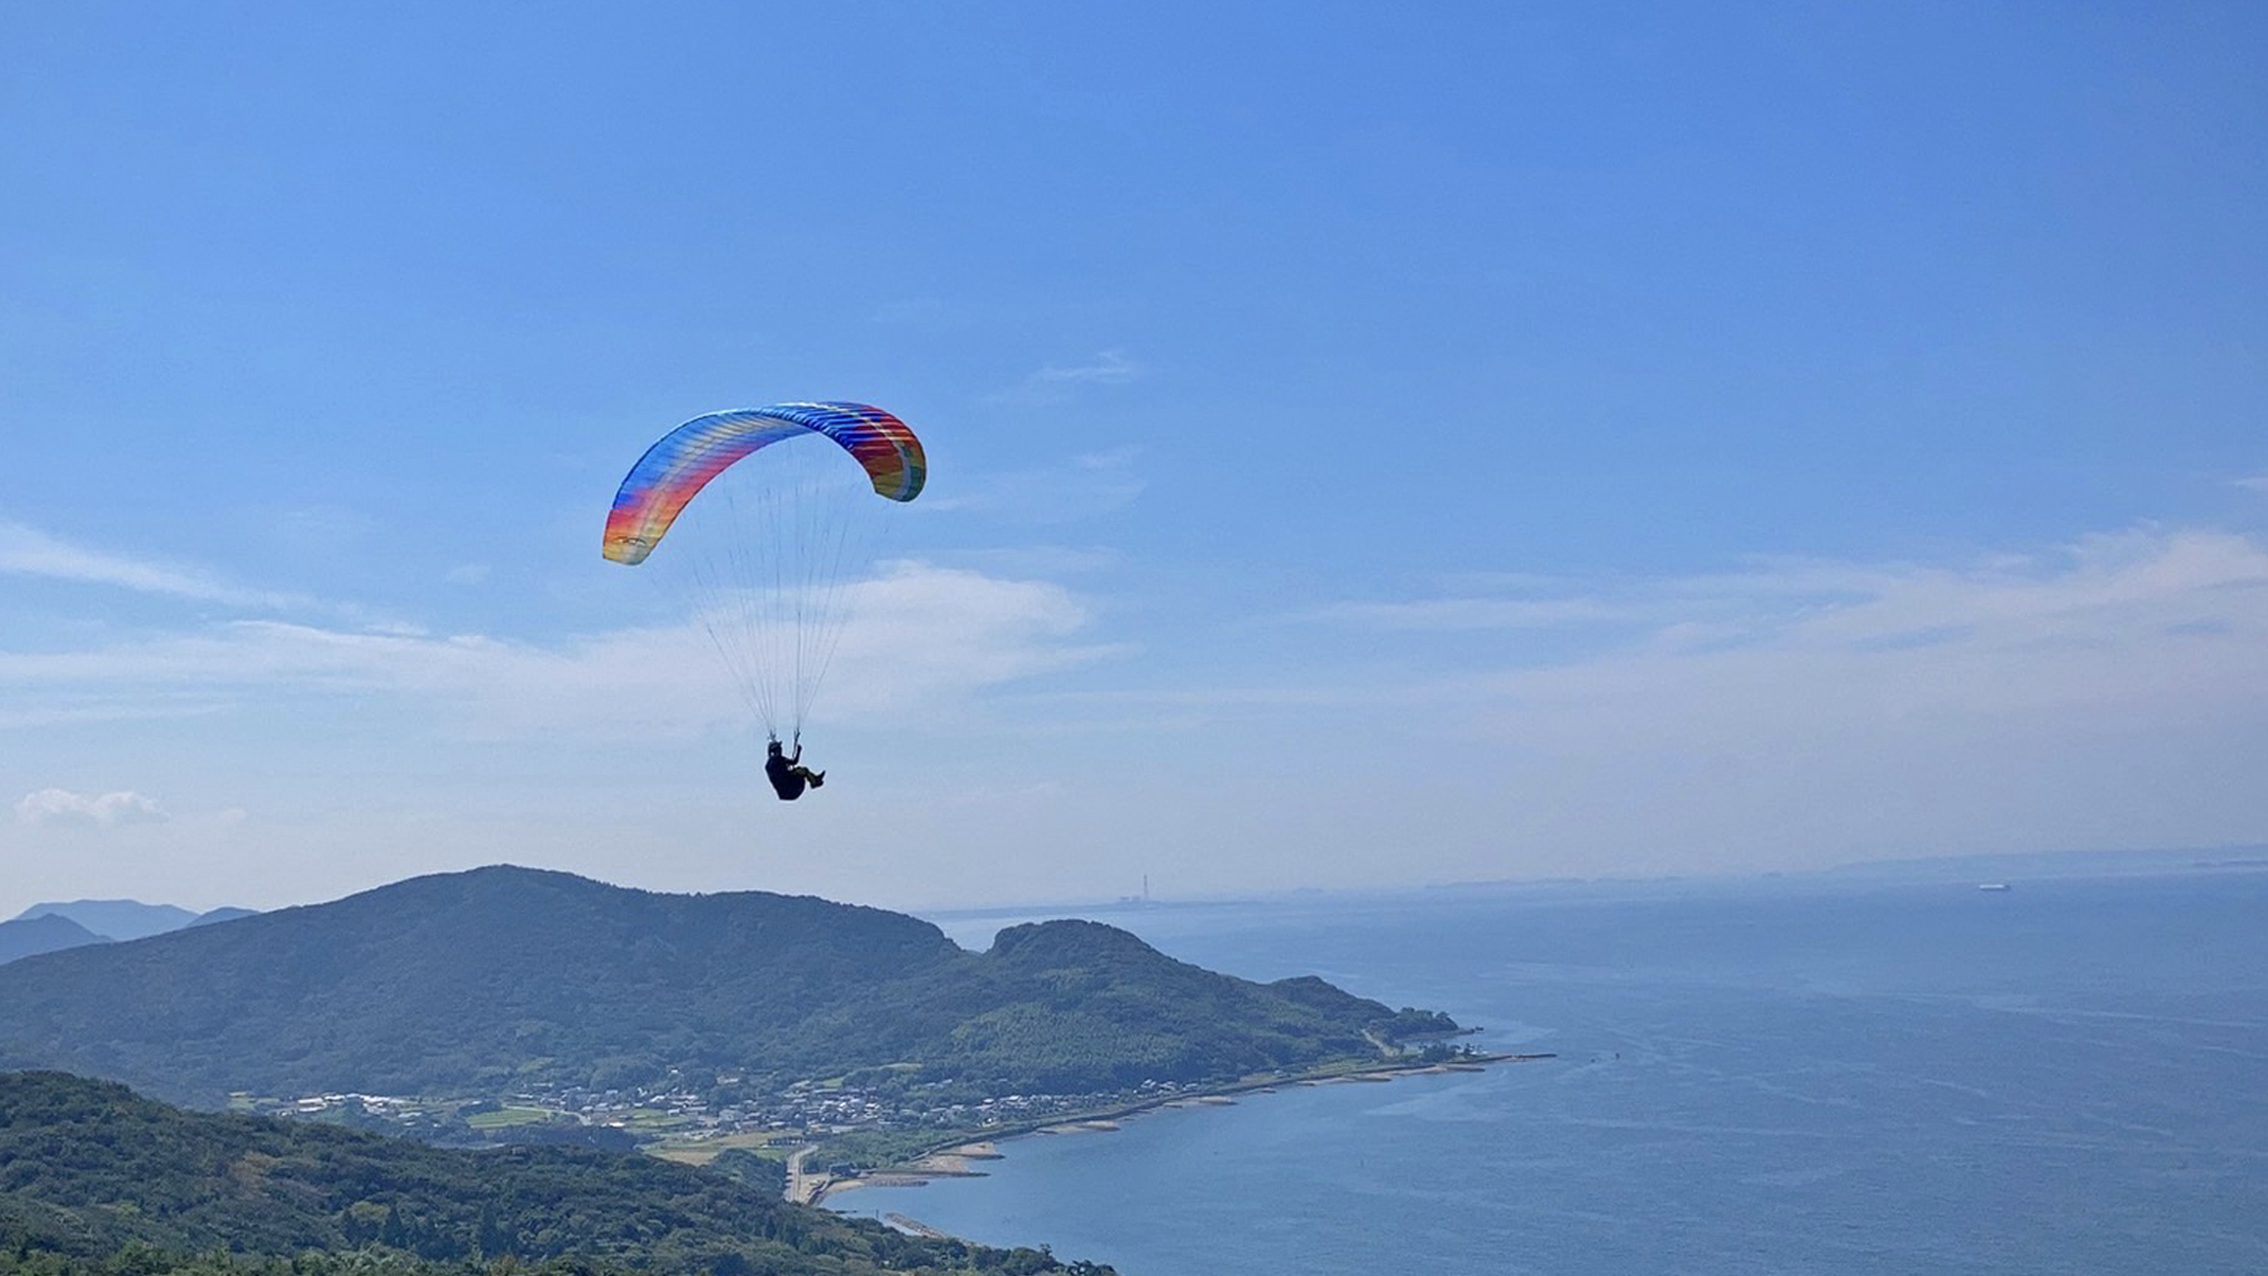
(962,1159)
(958,1161)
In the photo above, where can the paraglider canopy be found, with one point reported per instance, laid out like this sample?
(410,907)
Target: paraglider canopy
(767,561)
(686,458)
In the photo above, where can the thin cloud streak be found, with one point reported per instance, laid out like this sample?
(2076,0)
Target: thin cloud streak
(1055,383)
(1108,367)
(26,551)
(2138,640)
(1864,602)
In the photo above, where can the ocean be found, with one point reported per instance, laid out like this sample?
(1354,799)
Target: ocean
(1801,1075)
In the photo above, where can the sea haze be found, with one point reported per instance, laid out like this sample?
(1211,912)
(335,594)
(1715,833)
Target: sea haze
(1809,1076)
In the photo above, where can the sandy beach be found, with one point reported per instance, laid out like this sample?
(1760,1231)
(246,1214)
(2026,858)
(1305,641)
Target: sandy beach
(1078,1127)
(961,1160)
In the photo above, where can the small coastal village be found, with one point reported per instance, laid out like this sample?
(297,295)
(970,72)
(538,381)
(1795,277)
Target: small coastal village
(675,1118)
(677,1113)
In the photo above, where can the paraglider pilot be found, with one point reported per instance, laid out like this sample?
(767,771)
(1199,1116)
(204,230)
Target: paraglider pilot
(786,772)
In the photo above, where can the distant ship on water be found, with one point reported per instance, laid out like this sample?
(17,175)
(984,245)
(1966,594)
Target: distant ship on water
(1992,886)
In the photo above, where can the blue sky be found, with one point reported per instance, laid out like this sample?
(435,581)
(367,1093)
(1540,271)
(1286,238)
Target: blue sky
(1369,446)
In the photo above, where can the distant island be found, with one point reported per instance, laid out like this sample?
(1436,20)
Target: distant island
(512,1004)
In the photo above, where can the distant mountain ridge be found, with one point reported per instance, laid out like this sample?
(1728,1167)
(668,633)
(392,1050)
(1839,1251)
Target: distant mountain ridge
(46,933)
(498,978)
(124,919)
(223,914)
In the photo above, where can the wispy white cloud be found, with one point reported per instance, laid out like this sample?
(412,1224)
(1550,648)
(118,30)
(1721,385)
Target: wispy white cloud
(27,551)
(468,574)
(919,637)
(2107,694)
(2151,629)
(1055,382)
(62,807)
(2257,483)
(1785,712)
(927,636)
(1798,713)
(1109,367)
(2176,576)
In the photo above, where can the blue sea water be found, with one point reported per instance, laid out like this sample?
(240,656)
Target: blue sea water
(1779,1077)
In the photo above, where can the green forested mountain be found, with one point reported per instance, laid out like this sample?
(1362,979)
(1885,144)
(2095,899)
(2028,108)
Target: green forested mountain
(89,1172)
(500,978)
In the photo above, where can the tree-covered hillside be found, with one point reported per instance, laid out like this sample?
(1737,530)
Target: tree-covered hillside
(503,978)
(1076,1005)
(90,1171)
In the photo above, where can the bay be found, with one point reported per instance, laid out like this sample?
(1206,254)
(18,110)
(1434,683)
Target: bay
(1800,1075)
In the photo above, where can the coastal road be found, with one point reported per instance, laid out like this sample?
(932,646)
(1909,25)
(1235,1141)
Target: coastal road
(803,1188)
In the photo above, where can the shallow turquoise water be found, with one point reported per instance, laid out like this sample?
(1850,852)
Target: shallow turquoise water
(2070,1076)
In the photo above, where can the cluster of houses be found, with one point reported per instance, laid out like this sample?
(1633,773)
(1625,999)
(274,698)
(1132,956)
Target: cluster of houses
(808,1106)
(681,1113)
(376,1104)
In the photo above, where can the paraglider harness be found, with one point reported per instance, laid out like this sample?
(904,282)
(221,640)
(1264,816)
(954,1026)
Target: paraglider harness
(782,769)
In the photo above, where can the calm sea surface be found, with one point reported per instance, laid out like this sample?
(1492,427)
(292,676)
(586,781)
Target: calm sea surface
(2071,1076)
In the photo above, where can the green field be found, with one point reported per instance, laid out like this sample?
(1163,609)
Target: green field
(706,1151)
(503,1117)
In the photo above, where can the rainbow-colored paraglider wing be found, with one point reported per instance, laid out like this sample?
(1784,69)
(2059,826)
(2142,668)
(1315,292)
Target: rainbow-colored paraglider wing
(671,471)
